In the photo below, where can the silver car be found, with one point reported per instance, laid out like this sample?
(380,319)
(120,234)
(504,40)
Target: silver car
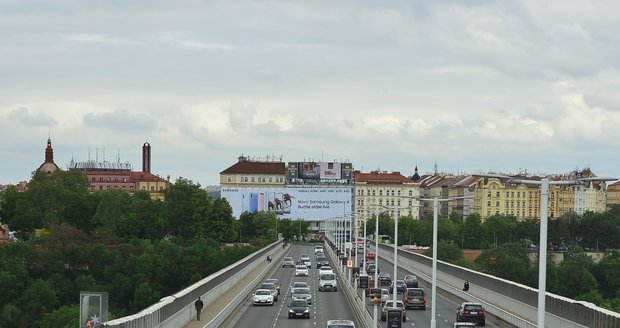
(262,296)
(302,294)
(288,262)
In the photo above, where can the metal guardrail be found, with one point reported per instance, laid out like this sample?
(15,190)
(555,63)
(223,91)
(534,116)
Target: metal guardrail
(363,318)
(221,317)
(161,313)
(561,311)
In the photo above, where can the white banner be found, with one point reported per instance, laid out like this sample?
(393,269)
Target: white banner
(310,204)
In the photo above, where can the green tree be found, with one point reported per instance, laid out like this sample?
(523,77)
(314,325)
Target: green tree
(510,262)
(471,231)
(67,316)
(182,200)
(448,252)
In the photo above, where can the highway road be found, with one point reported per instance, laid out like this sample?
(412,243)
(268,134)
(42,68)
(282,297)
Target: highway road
(325,306)
(446,308)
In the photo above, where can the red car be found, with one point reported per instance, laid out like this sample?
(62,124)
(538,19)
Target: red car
(370,256)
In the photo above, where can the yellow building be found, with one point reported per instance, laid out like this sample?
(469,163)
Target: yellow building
(248,173)
(613,194)
(384,191)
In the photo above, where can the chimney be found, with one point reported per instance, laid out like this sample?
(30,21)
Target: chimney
(146,157)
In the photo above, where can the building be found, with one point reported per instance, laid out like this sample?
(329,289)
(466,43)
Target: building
(251,173)
(48,166)
(613,194)
(4,234)
(106,175)
(384,191)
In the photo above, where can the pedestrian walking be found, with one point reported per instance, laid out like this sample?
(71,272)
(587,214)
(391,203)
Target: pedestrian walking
(198,305)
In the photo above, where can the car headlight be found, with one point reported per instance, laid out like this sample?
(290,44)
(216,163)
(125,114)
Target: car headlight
(291,311)
(306,311)
(255,299)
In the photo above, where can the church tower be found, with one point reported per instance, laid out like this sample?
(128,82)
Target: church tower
(49,166)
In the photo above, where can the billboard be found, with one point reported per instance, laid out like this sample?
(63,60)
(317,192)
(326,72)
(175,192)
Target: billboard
(312,204)
(308,170)
(330,170)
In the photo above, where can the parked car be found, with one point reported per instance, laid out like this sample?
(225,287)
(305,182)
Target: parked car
(471,312)
(302,294)
(411,281)
(415,298)
(275,282)
(384,279)
(301,270)
(288,262)
(389,304)
(298,309)
(262,297)
(272,287)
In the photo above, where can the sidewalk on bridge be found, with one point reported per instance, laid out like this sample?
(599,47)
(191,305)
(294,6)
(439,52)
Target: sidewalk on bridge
(214,308)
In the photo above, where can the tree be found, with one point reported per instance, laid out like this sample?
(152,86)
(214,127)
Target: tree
(510,262)
(446,251)
(182,200)
(67,316)
(471,231)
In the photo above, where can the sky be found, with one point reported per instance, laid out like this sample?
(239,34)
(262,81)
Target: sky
(469,86)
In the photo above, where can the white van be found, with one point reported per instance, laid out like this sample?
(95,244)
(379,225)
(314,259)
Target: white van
(327,281)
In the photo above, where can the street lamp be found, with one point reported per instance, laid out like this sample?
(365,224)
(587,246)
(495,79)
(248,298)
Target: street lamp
(544,207)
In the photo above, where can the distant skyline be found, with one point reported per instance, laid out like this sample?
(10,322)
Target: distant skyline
(473,86)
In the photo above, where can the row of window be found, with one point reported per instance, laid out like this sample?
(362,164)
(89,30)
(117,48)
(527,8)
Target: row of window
(109,179)
(369,192)
(257,179)
(131,188)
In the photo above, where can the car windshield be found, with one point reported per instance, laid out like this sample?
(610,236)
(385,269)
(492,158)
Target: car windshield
(400,283)
(300,284)
(301,291)
(341,326)
(268,286)
(263,292)
(299,304)
(415,292)
(301,267)
(473,307)
(328,276)
(274,281)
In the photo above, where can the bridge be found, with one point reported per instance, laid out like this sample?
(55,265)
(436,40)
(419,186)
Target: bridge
(227,297)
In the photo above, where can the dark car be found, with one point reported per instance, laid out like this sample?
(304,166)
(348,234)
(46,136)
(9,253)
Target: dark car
(275,282)
(371,268)
(298,309)
(471,312)
(415,298)
(401,287)
(321,261)
(384,279)
(411,281)
(389,304)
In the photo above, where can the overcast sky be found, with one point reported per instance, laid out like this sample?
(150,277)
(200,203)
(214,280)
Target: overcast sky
(473,86)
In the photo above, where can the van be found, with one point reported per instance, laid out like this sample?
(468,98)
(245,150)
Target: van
(327,281)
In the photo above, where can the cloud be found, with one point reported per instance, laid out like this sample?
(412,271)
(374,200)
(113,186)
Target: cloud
(120,119)
(22,116)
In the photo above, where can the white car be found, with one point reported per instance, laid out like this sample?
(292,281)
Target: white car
(305,258)
(262,297)
(302,294)
(299,284)
(301,270)
(324,269)
(385,295)
(340,323)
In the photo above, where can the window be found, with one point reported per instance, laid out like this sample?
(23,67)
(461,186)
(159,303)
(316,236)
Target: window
(488,203)
(380,192)
(161,188)
(489,194)
(228,178)
(497,194)
(398,192)
(92,179)
(252,179)
(270,179)
(100,179)
(497,203)
(100,187)
(152,188)
(109,180)
(124,179)
(410,193)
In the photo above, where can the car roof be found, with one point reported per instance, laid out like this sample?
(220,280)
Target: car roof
(268,284)
(471,303)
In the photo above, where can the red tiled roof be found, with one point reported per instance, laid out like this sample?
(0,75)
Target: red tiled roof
(145,176)
(249,167)
(375,177)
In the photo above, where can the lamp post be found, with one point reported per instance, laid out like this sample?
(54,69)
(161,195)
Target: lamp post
(544,208)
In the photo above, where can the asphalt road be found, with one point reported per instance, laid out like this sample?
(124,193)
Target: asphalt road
(446,308)
(325,306)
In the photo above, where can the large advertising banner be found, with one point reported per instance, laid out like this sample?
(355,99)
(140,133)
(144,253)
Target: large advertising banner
(311,204)
(308,170)
(330,170)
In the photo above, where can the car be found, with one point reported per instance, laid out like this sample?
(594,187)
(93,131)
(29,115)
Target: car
(390,304)
(415,298)
(301,270)
(371,284)
(262,296)
(302,293)
(321,262)
(318,249)
(371,268)
(299,284)
(324,269)
(288,262)
(374,296)
(275,282)
(401,287)
(319,255)
(411,281)
(272,287)
(327,281)
(370,255)
(471,312)
(340,323)
(384,279)
(385,295)
(305,259)
(464,325)
(298,309)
